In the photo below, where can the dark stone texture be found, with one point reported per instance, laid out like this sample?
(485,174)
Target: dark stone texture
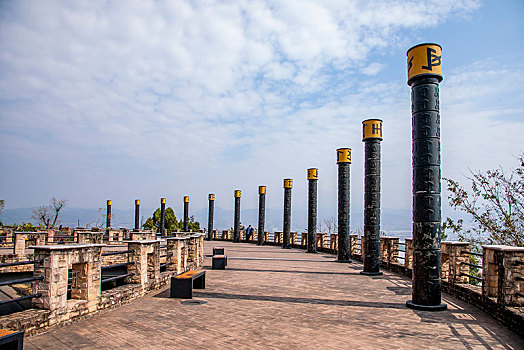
(426,124)
(186,216)
(312,216)
(162,217)
(137,217)
(236,228)
(371,258)
(286,244)
(426,264)
(343,211)
(426,235)
(426,179)
(210,217)
(427,290)
(426,151)
(261,217)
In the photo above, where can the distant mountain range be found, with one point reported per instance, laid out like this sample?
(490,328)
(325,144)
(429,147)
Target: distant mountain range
(392,219)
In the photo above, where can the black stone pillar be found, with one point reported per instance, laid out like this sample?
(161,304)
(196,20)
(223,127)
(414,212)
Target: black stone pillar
(236,228)
(372,136)
(109,203)
(261,213)
(312,177)
(288,185)
(137,214)
(162,215)
(343,161)
(424,76)
(186,213)
(210,216)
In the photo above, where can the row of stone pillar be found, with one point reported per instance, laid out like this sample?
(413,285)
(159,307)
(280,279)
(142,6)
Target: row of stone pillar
(424,75)
(109,204)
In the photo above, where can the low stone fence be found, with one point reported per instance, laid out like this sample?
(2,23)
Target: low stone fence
(67,278)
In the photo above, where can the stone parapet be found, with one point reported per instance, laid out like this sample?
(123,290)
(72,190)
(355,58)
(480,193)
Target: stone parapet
(146,257)
(503,274)
(454,260)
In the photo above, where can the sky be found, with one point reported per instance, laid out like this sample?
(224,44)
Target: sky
(128,100)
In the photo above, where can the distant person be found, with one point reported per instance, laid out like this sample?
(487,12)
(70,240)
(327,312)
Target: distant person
(249,232)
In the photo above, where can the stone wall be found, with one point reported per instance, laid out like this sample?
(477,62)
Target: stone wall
(82,263)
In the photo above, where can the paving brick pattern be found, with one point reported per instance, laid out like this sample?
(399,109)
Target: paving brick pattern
(269,298)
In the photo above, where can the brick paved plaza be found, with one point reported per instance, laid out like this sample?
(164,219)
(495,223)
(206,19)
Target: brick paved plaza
(270,298)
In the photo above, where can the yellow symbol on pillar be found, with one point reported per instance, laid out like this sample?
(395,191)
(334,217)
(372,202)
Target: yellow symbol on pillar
(261,189)
(372,129)
(109,202)
(425,60)
(211,197)
(312,174)
(163,200)
(288,183)
(344,155)
(237,193)
(186,199)
(137,201)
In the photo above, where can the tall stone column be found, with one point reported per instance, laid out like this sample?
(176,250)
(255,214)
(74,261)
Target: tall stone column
(344,162)
(210,216)
(236,228)
(162,215)
(288,185)
(261,213)
(372,136)
(137,214)
(186,213)
(312,178)
(424,75)
(108,214)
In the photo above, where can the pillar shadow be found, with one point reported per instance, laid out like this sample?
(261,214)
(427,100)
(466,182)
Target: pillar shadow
(296,271)
(276,259)
(298,300)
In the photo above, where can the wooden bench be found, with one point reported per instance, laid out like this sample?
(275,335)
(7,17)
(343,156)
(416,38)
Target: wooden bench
(183,284)
(219,262)
(218,251)
(11,340)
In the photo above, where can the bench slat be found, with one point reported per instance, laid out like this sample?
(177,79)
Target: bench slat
(189,274)
(4,332)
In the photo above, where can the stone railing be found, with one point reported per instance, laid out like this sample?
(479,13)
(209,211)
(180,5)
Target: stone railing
(55,301)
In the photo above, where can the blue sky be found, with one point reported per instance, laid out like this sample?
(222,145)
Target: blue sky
(147,99)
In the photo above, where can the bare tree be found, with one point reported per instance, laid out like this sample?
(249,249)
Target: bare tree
(44,213)
(57,205)
(331,224)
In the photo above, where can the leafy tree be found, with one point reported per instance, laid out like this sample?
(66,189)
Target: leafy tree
(26,227)
(170,223)
(48,214)
(193,225)
(495,205)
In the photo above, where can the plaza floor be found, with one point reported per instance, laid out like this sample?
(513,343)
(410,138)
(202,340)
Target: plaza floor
(270,298)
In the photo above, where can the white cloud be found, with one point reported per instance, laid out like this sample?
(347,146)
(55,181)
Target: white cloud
(182,96)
